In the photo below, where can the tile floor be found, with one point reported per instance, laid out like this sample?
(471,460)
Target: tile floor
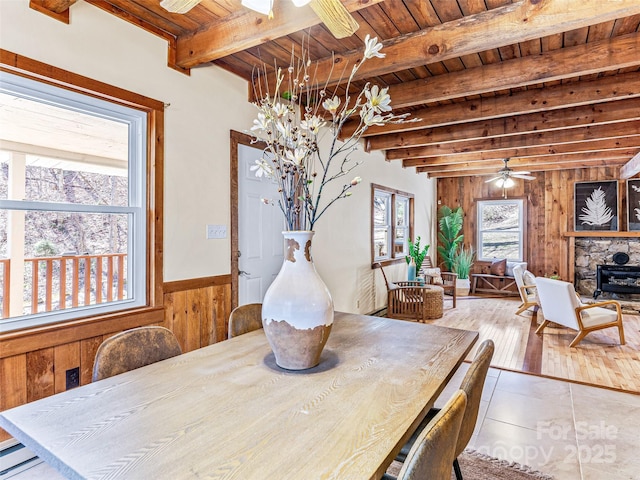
(570,431)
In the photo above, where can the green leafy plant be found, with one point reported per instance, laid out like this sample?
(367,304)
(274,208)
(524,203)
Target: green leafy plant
(449,236)
(418,254)
(463,261)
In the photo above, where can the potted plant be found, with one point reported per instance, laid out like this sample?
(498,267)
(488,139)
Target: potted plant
(449,236)
(417,253)
(463,261)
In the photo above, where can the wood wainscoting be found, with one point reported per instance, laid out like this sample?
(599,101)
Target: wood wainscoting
(33,365)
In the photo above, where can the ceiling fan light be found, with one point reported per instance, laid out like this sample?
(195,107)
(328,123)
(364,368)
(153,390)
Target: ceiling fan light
(260,6)
(505,182)
(179,6)
(300,3)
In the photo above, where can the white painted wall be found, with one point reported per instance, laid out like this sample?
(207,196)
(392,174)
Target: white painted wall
(204,107)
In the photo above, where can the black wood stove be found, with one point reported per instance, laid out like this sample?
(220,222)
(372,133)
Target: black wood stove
(617,279)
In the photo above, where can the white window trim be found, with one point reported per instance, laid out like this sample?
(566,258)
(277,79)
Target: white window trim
(137,248)
(521,219)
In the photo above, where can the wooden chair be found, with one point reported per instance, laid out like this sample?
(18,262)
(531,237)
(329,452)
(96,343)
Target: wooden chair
(245,319)
(560,304)
(133,349)
(434,450)
(446,280)
(412,300)
(472,384)
(527,292)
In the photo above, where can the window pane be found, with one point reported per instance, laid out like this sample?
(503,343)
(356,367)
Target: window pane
(381,242)
(501,245)
(381,209)
(401,246)
(69,156)
(500,216)
(402,211)
(72,260)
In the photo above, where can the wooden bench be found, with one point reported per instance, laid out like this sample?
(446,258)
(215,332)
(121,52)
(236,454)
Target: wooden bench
(487,284)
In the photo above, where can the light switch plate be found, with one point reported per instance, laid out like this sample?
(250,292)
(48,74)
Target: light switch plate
(216,231)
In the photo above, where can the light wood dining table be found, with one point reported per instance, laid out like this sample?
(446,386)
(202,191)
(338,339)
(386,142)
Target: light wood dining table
(227,411)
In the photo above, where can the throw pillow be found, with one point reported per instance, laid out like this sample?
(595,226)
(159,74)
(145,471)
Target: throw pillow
(499,267)
(433,276)
(529,278)
(510,265)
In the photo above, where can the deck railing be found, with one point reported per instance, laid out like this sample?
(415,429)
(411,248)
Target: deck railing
(57,283)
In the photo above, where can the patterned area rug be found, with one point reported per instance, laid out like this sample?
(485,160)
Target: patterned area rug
(477,466)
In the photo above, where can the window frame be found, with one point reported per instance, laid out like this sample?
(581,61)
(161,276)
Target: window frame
(521,202)
(148,308)
(393,195)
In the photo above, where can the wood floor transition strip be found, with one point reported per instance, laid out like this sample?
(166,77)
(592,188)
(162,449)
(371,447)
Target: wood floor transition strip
(533,353)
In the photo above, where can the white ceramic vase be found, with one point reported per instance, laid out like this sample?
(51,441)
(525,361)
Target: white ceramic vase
(297,310)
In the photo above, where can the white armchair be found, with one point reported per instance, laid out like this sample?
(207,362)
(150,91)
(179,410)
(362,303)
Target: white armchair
(560,304)
(525,281)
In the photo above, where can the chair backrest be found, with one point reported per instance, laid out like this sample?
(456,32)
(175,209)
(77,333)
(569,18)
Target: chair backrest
(518,273)
(133,349)
(245,319)
(433,452)
(558,301)
(472,384)
(389,284)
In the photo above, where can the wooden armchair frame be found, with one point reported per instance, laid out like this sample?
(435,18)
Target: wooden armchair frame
(411,300)
(545,288)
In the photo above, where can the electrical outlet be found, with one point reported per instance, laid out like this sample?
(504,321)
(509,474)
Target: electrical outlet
(73,378)
(216,231)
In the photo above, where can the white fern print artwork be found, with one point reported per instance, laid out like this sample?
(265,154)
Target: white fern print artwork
(637,209)
(596,211)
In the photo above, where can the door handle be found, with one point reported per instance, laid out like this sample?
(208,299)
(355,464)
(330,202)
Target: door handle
(244,274)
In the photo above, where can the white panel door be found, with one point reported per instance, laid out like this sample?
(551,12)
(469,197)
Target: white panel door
(259,230)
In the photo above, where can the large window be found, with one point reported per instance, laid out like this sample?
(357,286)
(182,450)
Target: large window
(392,223)
(73,224)
(501,229)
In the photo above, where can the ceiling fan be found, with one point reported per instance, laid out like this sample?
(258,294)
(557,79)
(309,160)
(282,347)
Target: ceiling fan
(332,13)
(505,177)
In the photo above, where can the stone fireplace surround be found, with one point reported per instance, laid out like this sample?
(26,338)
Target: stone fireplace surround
(593,251)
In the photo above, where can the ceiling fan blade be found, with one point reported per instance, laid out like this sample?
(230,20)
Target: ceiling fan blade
(525,177)
(179,6)
(492,179)
(336,17)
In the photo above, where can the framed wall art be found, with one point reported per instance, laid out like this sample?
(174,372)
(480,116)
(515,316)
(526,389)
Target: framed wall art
(633,205)
(596,206)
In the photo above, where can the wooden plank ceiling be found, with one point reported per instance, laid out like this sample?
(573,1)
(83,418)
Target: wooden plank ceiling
(552,84)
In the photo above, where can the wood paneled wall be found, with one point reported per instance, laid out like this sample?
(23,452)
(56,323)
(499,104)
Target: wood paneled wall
(197,311)
(549,211)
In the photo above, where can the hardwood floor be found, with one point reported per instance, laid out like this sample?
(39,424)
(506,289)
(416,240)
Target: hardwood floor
(598,360)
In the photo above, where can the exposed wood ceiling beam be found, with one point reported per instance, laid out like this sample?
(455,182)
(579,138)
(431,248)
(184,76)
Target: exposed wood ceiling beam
(528,163)
(539,151)
(551,167)
(499,27)
(586,59)
(631,168)
(580,134)
(58,9)
(245,29)
(560,163)
(573,94)
(599,114)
